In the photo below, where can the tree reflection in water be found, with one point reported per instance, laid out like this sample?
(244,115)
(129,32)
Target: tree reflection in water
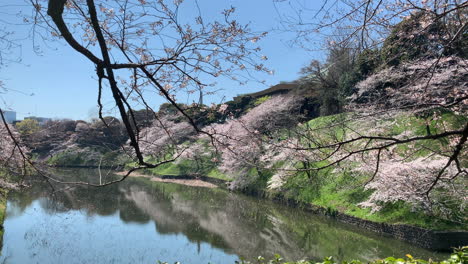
(191,224)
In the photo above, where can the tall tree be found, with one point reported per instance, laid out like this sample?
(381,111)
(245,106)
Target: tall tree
(425,39)
(140,47)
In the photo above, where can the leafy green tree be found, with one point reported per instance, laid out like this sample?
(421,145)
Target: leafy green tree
(332,81)
(28,127)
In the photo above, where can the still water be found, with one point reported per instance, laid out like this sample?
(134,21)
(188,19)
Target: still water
(141,221)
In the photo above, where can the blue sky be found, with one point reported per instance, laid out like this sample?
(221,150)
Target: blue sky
(60,83)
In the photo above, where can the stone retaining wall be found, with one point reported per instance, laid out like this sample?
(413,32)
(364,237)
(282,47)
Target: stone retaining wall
(435,240)
(425,238)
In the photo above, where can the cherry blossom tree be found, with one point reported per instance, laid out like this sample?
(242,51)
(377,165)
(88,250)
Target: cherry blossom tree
(8,47)
(143,47)
(244,143)
(422,48)
(13,155)
(369,22)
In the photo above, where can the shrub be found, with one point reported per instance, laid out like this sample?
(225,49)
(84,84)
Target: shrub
(261,100)
(460,256)
(27,127)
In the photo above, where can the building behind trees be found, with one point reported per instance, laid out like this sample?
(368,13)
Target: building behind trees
(10,116)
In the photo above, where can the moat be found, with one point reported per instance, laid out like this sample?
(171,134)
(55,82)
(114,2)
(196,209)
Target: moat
(142,221)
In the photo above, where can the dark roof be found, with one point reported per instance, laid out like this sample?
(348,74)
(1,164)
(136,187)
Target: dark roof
(276,89)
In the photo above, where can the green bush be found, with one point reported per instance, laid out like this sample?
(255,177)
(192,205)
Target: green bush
(459,256)
(261,100)
(28,127)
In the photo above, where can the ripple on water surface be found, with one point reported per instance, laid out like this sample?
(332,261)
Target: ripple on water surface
(140,221)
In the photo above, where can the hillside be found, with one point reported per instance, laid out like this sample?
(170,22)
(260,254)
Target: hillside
(269,149)
(362,162)
(379,134)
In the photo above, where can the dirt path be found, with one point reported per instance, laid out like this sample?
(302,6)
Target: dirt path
(194,182)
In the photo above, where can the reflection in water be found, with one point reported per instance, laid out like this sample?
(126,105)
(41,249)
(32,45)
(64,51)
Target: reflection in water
(139,221)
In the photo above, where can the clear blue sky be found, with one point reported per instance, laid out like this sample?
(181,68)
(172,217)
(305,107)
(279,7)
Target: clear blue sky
(63,82)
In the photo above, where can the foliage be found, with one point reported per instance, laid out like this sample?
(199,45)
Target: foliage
(331,82)
(3,201)
(203,115)
(367,62)
(260,159)
(261,100)
(87,157)
(393,196)
(27,127)
(11,158)
(345,193)
(59,135)
(423,38)
(163,136)
(459,256)
(397,87)
(152,52)
(239,141)
(143,118)
(107,132)
(367,23)
(239,106)
(422,35)
(197,160)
